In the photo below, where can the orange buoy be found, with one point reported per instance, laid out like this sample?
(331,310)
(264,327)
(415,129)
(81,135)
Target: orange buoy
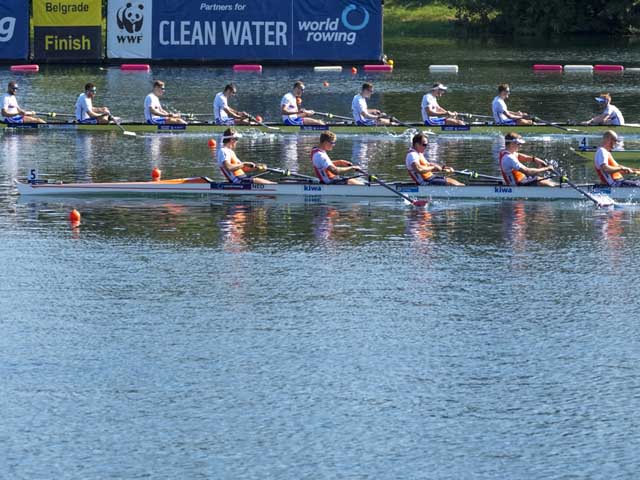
(156,173)
(326,84)
(74,216)
(354,70)
(212,143)
(258,118)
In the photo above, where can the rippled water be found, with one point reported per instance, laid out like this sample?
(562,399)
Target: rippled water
(273,338)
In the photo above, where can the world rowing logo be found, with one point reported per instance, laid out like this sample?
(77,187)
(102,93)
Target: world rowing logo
(130,17)
(7,27)
(353,19)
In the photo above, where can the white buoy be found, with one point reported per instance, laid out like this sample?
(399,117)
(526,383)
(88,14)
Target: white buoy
(443,68)
(329,68)
(632,70)
(578,68)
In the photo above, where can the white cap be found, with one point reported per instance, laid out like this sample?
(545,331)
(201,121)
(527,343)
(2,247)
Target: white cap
(438,86)
(519,141)
(601,100)
(230,137)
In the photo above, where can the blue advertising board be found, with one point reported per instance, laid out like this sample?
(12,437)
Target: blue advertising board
(279,30)
(14,29)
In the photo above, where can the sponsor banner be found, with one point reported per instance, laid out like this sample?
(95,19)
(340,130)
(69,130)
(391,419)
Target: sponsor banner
(14,29)
(67,29)
(285,30)
(129,28)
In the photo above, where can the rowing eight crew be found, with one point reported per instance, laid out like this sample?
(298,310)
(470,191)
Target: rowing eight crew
(512,164)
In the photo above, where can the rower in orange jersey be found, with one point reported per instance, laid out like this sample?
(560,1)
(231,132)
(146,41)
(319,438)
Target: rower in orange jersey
(232,168)
(423,171)
(514,172)
(330,171)
(608,170)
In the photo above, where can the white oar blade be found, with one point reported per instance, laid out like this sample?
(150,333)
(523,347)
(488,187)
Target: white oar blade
(604,201)
(131,134)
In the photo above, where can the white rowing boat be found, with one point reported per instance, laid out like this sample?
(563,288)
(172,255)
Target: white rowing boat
(206,187)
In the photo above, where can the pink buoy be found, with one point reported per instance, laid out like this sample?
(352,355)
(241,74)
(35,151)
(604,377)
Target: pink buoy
(378,68)
(547,68)
(25,68)
(135,67)
(608,68)
(247,68)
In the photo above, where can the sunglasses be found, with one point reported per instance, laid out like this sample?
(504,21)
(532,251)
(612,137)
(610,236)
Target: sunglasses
(93,90)
(332,143)
(425,144)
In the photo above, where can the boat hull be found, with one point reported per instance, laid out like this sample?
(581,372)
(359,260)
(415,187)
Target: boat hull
(197,186)
(475,129)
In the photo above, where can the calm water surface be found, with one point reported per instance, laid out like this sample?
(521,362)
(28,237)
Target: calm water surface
(272,338)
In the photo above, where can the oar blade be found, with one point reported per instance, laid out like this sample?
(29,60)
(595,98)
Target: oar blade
(603,201)
(420,203)
(130,134)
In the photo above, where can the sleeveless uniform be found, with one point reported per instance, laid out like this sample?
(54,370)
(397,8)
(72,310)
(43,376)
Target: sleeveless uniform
(321,163)
(430,100)
(615,115)
(83,106)
(426,178)
(150,101)
(219,113)
(510,167)
(236,176)
(290,104)
(358,107)
(10,105)
(604,157)
(499,106)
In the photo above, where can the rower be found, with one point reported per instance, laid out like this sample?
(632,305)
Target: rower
(611,115)
(12,112)
(153,111)
(421,170)
(514,172)
(363,115)
(432,113)
(292,114)
(232,168)
(86,113)
(223,113)
(608,170)
(330,171)
(501,114)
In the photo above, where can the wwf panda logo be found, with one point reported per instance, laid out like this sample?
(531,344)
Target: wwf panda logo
(130,17)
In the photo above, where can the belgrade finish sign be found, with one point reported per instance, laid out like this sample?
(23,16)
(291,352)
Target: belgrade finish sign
(257,29)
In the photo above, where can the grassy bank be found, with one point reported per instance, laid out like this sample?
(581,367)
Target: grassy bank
(434,20)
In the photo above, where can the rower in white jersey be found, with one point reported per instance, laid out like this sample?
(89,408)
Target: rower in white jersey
(514,172)
(223,113)
(363,115)
(331,171)
(611,115)
(153,111)
(501,114)
(234,170)
(432,113)
(608,170)
(12,112)
(290,109)
(88,114)
(422,171)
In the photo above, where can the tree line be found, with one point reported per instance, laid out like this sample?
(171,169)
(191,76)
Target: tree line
(543,17)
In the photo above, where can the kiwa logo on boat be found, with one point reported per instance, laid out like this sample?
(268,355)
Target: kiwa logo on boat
(353,18)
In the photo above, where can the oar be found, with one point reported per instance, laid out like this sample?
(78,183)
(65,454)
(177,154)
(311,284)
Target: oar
(262,124)
(54,114)
(333,115)
(555,125)
(605,201)
(289,173)
(473,174)
(469,115)
(394,119)
(413,201)
(117,122)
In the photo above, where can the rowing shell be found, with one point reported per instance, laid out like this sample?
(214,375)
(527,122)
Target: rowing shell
(204,186)
(340,128)
(621,156)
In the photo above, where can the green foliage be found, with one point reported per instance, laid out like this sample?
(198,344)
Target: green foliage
(550,16)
